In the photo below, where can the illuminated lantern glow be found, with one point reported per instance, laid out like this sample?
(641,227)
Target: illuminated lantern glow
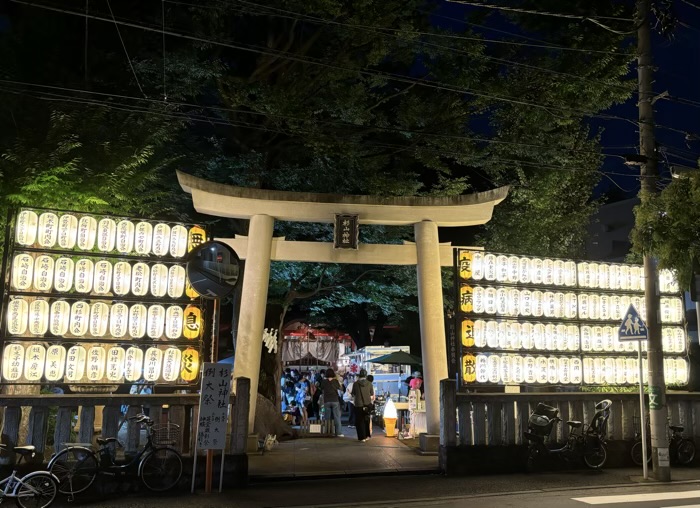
(561,337)
(477,265)
(138,317)
(79,318)
(197,236)
(603,276)
(156,321)
(125,236)
(512,302)
(514,336)
(25,230)
(161,239)
(550,339)
(159,280)
(87,232)
(479,333)
(189,368)
(38,317)
(152,364)
(620,371)
(548,304)
(478,297)
(502,335)
(502,301)
(597,338)
(529,368)
(614,276)
(190,292)
(502,268)
(575,370)
(468,368)
(586,338)
(526,336)
(537,303)
(513,263)
(559,305)
(616,309)
(494,368)
(48,229)
(490,300)
(12,362)
(536,275)
(99,319)
(539,336)
(115,364)
(178,241)
(506,369)
(63,274)
(670,371)
(584,275)
(176,281)
(681,371)
(569,273)
(608,339)
(518,368)
(96,363)
(525,302)
(679,340)
(572,338)
(171,364)
(60,318)
(548,272)
(143,238)
(467,327)
(84,270)
(541,369)
(635,283)
(133,364)
(588,371)
(466,299)
(625,276)
(593,267)
(609,371)
(604,307)
(43,273)
(552,370)
(482,370)
(75,364)
(632,371)
(67,231)
(465,264)
(17,316)
(122,278)
(492,334)
(55,363)
(524,270)
(22,272)
(118,317)
(34,362)
(490,267)
(106,231)
(598,370)
(559,272)
(618,346)
(102,277)
(139,279)
(594,306)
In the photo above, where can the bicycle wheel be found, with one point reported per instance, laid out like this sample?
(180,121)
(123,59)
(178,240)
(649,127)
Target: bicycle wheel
(161,469)
(36,490)
(685,453)
(595,456)
(76,469)
(637,453)
(533,456)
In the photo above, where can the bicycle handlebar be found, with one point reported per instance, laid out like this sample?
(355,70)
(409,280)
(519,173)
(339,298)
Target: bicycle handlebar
(142,418)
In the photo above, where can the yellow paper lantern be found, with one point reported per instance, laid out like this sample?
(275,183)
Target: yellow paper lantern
(133,364)
(468,368)
(143,238)
(75,364)
(138,318)
(156,321)
(139,279)
(17,316)
(22,272)
(152,364)
(189,368)
(161,239)
(99,319)
(79,318)
(38,317)
(190,292)
(84,271)
(64,269)
(67,231)
(118,320)
(25,229)
(466,298)
(195,238)
(125,236)
(87,232)
(43,273)
(467,332)
(178,241)
(176,281)
(96,363)
(159,280)
(193,322)
(171,364)
(48,230)
(465,264)
(60,318)
(12,362)
(55,363)
(115,364)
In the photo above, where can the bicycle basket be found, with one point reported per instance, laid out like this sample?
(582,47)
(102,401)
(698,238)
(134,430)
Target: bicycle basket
(166,434)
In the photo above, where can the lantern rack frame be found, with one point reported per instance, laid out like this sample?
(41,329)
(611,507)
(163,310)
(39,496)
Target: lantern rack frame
(87,297)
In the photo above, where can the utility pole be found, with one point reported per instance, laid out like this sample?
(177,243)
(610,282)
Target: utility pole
(658,411)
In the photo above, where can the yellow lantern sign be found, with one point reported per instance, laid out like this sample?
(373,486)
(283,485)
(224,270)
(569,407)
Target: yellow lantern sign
(143,238)
(193,322)
(465,264)
(17,316)
(196,237)
(12,362)
(75,365)
(469,368)
(152,364)
(67,231)
(25,231)
(468,333)
(38,317)
(125,236)
(190,292)
(22,272)
(171,364)
(87,232)
(178,241)
(115,364)
(190,364)
(55,363)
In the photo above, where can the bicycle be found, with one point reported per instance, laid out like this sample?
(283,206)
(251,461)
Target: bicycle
(159,465)
(681,449)
(34,490)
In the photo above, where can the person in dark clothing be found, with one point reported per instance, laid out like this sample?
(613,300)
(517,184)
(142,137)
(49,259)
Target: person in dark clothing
(363,393)
(331,401)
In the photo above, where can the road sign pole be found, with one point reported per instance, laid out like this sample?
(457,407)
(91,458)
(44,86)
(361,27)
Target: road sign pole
(642,419)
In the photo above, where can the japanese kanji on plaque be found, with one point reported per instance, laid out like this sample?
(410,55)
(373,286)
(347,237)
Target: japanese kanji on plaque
(213,406)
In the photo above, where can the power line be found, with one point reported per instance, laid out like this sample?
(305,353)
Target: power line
(538,13)
(123,46)
(691,4)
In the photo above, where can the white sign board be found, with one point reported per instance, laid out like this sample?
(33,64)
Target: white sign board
(213,406)
(632,326)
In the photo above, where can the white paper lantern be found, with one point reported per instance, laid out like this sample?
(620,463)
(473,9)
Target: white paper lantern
(118,320)
(139,279)
(34,359)
(173,322)
(478,296)
(548,304)
(502,335)
(681,371)
(541,369)
(548,272)
(505,373)
(586,338)
(159,280)
(477,265)
(171,364)
(679,340)
(614,278)
(608,338)
(518,369)
(670,371)
(513,264)
(138,316)
(616,309)
(635,280)
(527,337)
(490,267)
(524,270)
(84,271)
(48,230)
(64,269)
(67,231)
(575,370)
(512,302)
(594,268)
(537,303)
(25,230)
(494,368)
(584,275)
(597,338)
(38,317)
(563,371)
(603,276)
(492,334)
(152,364)
(588,371)
(99,319)
(87,232)
(178,241)
(559,305)
(176,282)
(43,273)
(55,363)
(156,321)
(79,318)
(121,278)
(573,341)
(22,272)
(609,376)
(625,277)
(502,268)
(479,333)
(143,238)
(529,369)
(525,304)
(536,273)
(490,300)
(102,277)
(482,370)
(561,337)
(632,369)
(598,370)
(502,301)
(133,364)
(115,364)
(538,333)
(106,231)
(12,362)
(604,307)
(570,273)
(559,273)
(550,339)
(96,363)
(125,236)
(60,318)
(75,364)
(17,316)
(514,336)
(593,306)
(161,239)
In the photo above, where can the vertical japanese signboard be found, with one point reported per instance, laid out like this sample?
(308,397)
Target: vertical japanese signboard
(347,231)
(213,406)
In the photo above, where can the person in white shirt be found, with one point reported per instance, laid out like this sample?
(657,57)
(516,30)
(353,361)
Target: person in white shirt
(348,399)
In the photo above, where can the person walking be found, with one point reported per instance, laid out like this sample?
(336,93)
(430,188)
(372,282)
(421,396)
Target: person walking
(331,401)
(363,394)
(347,398)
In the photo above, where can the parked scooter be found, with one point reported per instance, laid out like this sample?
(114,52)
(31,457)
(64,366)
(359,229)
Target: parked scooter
(585,442)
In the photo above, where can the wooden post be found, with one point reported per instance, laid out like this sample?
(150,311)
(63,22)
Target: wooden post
(133,430)
(10,433)
(239,423)
(448,412)
(61,434)
(110,425)
(36,435)
(87,424)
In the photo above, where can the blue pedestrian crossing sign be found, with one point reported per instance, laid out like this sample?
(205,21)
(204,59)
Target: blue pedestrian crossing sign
(632,326)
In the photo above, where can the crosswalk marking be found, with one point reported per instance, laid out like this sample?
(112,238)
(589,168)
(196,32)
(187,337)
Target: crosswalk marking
(640,498)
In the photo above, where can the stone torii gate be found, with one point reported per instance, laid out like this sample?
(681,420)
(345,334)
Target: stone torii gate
(263,207)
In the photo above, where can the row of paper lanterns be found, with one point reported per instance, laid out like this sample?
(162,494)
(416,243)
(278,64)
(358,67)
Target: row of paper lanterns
(514,302)
(48,230)
(98,364)
(475,265)
(100,319)
(62,274)
(510,335)
(517,369)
